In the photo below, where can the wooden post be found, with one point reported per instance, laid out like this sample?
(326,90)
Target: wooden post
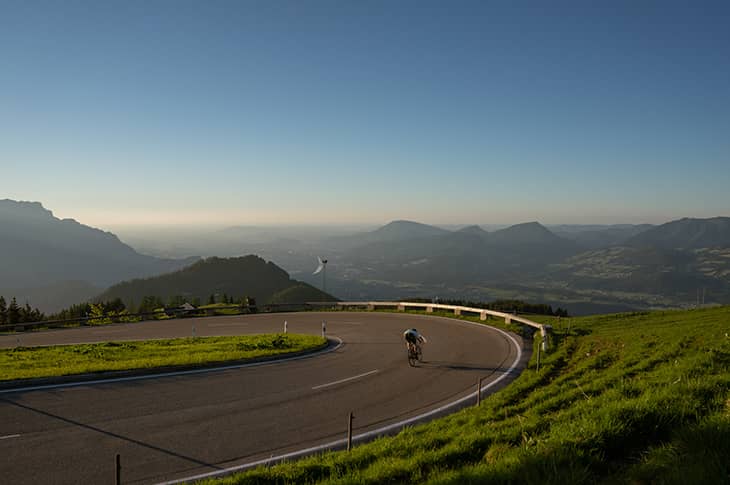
(349,431)
(118,469)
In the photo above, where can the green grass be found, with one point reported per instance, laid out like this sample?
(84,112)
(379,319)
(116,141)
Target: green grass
(641,398)
(62,360)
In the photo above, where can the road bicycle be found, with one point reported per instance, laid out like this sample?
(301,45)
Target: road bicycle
(415,354)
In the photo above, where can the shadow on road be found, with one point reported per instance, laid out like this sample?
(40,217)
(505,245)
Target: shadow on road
(109,433)
(458,366)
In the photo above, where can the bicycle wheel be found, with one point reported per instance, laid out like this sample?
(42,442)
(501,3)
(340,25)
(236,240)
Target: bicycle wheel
(412,358)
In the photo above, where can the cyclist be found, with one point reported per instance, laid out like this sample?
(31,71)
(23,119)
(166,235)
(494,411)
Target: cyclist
(413,339)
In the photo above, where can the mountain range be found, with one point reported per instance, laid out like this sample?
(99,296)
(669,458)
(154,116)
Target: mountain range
(591,268)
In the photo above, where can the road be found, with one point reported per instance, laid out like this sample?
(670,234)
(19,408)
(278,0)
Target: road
(178,426)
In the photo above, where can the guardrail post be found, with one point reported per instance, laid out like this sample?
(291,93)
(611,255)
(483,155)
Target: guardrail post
(349,431)
(401,307)
(371,307)
(545,331)
(118,469)
(483,316)
(457,311)
(507,319)
(429,309)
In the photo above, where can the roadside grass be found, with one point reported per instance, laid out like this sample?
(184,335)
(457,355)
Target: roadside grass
(63,360)
(640,398)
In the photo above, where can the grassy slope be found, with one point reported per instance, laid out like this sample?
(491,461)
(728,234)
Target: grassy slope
(628,398)
(32,362)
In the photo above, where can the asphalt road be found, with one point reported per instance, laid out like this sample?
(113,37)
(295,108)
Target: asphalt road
(178,426)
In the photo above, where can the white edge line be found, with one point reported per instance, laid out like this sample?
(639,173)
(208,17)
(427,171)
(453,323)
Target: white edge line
(8,436)
(322,386)
(364,436)
(171,374)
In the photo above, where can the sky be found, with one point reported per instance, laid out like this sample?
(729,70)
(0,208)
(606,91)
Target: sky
(181,112)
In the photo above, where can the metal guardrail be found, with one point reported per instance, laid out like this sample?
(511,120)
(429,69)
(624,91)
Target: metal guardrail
(545,330)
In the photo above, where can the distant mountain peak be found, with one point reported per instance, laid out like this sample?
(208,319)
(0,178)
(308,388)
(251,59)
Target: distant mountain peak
(402,229)
(473,229)
(24,209)
(63,249)
(525,233)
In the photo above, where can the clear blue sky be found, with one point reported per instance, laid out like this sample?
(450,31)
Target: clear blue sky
(167,112)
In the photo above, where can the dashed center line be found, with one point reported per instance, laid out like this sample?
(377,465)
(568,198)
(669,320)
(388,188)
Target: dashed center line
(321,386)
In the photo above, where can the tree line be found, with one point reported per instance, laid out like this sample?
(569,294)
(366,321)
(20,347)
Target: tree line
(149,304)
(12,313)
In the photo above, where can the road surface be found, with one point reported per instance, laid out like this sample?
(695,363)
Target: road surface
(182,425)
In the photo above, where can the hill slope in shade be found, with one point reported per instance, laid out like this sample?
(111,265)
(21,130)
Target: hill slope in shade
(686,234)
(248,276)
(38,250)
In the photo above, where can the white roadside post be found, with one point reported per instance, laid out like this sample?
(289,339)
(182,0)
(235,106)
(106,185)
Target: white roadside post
(285,326)
(324,329)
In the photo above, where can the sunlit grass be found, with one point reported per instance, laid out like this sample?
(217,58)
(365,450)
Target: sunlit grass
(61,360)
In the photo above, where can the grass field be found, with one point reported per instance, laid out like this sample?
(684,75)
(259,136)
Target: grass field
(62,360)
(641,398)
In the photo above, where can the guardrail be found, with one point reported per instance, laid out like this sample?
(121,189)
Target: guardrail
(545,330)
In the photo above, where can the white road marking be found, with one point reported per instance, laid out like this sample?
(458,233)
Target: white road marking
(8,436)
(322,386)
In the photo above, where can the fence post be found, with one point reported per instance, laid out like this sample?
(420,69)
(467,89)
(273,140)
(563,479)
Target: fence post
(118,469)
(349,431)
(479,390)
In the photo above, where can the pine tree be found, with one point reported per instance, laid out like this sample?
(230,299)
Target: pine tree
(13,312)
(3,311)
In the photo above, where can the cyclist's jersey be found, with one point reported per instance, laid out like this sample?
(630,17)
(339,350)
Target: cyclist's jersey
(411,335)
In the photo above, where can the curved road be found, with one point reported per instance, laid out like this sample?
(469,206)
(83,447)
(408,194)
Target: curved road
(177,426)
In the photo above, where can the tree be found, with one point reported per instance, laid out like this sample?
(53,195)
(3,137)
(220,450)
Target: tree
(3,311)
(150,304)
(13,312)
